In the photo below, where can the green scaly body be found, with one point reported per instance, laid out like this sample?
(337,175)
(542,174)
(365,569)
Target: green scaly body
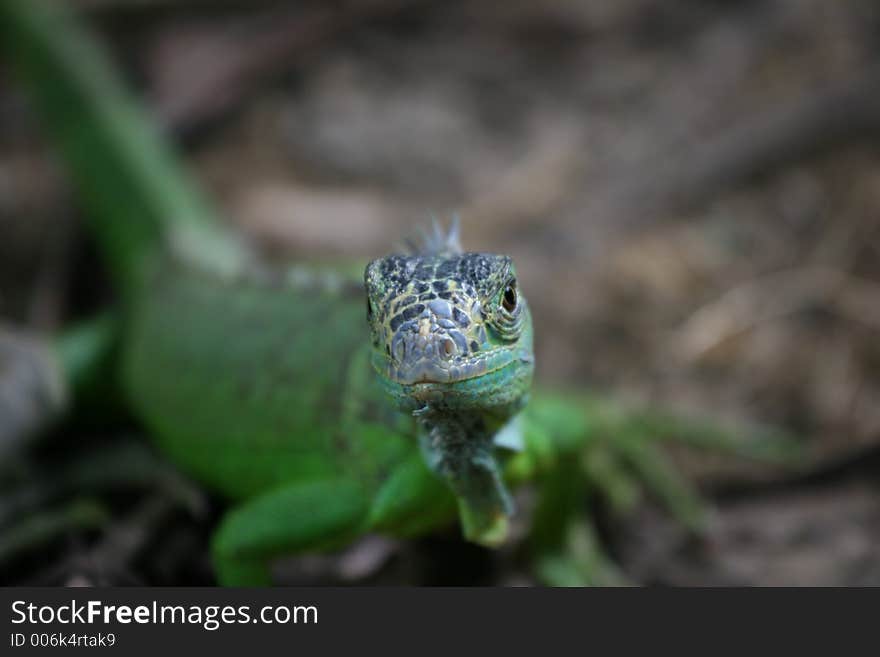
(261,385)
(269,383)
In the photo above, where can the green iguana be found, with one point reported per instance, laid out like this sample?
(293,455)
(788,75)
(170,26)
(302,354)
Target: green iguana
(323,416)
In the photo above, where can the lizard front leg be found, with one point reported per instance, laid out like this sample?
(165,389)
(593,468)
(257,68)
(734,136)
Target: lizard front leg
(580,448)
(294,518)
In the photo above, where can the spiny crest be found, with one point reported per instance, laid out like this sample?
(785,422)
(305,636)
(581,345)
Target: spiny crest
(436,241)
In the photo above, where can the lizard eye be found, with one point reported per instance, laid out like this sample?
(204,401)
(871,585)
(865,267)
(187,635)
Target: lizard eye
(510,297)
(369,309)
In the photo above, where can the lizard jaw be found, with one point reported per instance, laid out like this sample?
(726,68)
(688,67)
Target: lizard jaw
(501,382)
(430,370)
(427,369)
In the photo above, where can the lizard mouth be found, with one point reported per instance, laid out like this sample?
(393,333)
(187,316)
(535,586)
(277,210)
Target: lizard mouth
(431,371)
(499,379)
(427,370)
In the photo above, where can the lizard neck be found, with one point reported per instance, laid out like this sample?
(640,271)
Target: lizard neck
(458,446)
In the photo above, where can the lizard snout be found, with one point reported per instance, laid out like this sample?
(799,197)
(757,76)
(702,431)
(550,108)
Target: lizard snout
(429,347)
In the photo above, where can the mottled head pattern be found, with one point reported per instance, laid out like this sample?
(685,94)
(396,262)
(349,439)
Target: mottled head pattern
(440,317)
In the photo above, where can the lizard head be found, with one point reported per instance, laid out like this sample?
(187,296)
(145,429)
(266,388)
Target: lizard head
(450,329)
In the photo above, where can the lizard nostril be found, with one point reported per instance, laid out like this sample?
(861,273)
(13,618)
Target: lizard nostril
(448,348)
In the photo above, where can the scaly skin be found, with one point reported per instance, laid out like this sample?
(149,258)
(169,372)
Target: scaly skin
(452,344)
(270,393)
(271,387)
(267,396)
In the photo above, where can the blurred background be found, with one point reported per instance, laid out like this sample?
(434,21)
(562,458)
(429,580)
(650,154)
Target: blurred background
(690,189)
